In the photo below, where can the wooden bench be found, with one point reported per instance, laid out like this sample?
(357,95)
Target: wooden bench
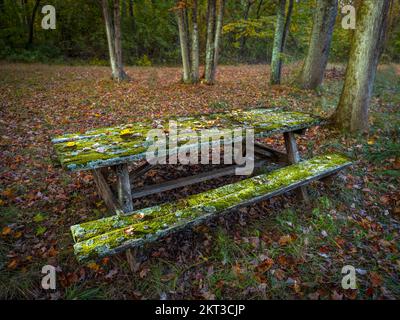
(114,234)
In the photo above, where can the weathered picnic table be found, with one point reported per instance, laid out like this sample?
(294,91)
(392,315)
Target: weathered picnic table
(110,151)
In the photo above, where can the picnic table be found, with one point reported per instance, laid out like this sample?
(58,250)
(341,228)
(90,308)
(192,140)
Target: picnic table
(111,151)
(116,147)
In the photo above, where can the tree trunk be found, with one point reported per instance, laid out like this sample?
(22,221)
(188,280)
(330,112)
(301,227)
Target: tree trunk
(113,31)
(217,40)
(286,32)
(278,42)
(314,66)
(121,75)
(249,3)
(195,44)
(211,8)
(184,41)
(131,14)
(259,9)
(352,112)
(32,23)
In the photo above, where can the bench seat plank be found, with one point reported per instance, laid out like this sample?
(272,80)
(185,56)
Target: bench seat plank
(111,235)
(126,143)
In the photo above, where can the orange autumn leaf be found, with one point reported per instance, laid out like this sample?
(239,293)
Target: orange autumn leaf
(284,240)
(376,279)
(265,265)
(93,266)
(13,264)
(6,231)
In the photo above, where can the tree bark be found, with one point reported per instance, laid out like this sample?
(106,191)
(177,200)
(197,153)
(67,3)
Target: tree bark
(211,8)
(131,14)
(278,43)
(259,9)
(113,31)
(121,75)
(249,3)
(288,20)
(352,112)
(217,40)
(314,66)
(32,23)
(195,43)
(184,42)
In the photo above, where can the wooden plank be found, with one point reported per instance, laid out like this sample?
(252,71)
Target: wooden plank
(293,158)
(281,156)
(170,222)
(124,187)
(135,173)
(186,181)
(105,192)
(140,170)
(127,143)
(221,197)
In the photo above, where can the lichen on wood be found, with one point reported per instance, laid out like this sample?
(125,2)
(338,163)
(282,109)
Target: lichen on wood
(126,143)
(113,234)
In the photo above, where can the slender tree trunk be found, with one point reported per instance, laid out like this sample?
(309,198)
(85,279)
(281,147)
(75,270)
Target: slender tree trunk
(131,14)
(217,40)
(211,8)
(278,42)
(113,31)
(117,42)
(314,66)
(259,9)
(249,3)
(286,32)
(352,112)
(110,37)
(32,23)
(195,43)
(184,42)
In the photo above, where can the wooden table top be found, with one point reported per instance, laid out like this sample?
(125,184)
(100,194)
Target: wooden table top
(127,143)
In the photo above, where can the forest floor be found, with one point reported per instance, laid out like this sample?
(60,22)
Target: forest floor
(276,249)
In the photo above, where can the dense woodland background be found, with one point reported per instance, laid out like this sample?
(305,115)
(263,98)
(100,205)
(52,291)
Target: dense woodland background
(150,32)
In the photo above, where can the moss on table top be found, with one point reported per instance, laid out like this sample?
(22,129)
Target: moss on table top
(125,143)
(112,234)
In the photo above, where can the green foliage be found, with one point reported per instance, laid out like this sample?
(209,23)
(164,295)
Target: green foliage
(144,61)
(150,33)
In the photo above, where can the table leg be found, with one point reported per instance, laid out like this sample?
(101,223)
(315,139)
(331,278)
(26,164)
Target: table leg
(294,157)
(124,188)
(105,192)
(133,256)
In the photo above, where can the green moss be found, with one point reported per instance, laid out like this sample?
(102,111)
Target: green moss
(108,235)
(109,146)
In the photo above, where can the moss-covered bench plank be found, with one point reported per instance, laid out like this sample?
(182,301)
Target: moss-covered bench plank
(126,143)
(117,233)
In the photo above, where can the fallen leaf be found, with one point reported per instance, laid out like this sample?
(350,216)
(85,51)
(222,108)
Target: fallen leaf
(284,240)
(376,279)
(265,265)
(6,231)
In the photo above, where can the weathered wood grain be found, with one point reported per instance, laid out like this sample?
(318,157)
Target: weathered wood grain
(293,158)
(127,143)
(114,234)
(105,192)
